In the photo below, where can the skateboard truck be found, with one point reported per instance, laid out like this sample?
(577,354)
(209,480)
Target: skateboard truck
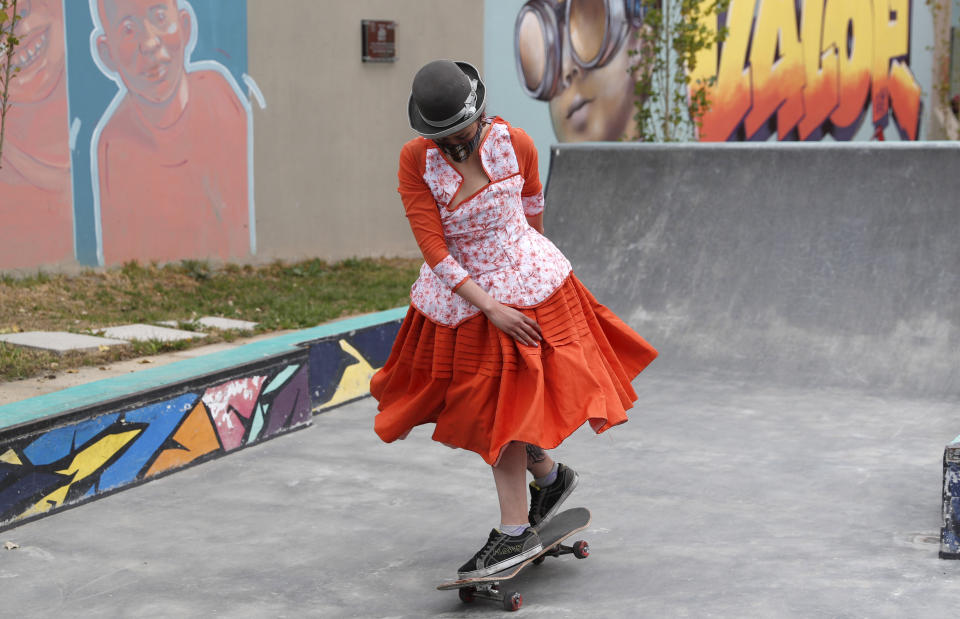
(580,550)
(510,600)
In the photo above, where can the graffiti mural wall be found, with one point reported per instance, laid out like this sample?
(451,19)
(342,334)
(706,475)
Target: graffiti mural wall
(169,155)
(35,188)
(79,461)
(804,69)
(788,69)
(130,137)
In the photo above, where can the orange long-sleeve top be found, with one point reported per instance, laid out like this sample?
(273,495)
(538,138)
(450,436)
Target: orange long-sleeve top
(421,207)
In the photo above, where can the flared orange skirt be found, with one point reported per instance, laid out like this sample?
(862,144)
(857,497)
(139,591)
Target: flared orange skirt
(483,389)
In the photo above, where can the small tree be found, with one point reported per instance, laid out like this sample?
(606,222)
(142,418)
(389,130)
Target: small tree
(942,78)
(8,45)
(670,105)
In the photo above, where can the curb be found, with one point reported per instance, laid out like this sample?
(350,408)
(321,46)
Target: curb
(82,443)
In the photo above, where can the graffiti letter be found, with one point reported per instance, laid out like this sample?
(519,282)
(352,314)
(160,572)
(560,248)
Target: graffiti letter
(849,26)
(730,97)
(821,93)
(892,81)
(776,61)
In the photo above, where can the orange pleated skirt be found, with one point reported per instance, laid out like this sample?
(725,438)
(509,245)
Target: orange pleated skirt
(483,389)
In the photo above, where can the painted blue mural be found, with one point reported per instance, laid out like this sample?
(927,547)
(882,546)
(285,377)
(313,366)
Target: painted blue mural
(130,134)
(161,130)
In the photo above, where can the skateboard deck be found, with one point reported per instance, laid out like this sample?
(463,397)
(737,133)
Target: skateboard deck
(562,526)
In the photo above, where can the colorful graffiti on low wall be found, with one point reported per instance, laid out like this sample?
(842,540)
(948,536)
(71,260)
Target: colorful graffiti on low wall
(79,461)
(341,368)
(43,471)
(810,72)
(129,136)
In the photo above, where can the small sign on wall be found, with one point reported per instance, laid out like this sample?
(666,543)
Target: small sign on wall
(379,40)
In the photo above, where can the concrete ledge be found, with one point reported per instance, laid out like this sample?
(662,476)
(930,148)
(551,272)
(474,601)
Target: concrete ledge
(65,448)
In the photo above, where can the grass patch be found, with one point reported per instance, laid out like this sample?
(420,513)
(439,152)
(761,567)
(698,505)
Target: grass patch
(278,296)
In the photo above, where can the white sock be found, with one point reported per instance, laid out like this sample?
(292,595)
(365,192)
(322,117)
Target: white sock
(513,530)
(549,478)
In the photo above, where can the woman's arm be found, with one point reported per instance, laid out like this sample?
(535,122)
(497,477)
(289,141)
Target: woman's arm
(421,210)
(532,193)
(514,323)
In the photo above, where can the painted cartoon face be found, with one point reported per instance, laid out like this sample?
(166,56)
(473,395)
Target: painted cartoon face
(576,55)
(594,104)
(145,42)
(40,54)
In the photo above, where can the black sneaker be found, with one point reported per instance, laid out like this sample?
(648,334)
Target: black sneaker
(501,552)
(545,502)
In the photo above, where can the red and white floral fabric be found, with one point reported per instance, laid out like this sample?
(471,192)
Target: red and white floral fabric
(532,205)
(488,238)
(451,366)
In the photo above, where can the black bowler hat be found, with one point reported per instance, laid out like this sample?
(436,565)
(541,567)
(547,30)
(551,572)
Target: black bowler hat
(446,97)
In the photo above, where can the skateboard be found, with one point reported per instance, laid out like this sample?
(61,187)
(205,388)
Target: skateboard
(560,527)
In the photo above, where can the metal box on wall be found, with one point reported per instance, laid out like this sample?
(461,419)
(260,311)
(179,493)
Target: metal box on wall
(379,40)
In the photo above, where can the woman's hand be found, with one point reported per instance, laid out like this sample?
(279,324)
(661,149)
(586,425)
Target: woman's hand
(514,323)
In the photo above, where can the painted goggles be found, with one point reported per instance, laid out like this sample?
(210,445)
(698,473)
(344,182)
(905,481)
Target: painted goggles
(593,30)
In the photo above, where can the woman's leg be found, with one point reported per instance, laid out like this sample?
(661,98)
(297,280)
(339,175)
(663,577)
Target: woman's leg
(538,462)
(553,483)
(514,541)
(511,479)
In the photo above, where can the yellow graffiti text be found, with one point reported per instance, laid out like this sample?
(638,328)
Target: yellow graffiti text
(818,69)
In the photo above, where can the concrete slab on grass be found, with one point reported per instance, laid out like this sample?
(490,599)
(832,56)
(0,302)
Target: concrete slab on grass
(59,341)
(216,322)
(150,332)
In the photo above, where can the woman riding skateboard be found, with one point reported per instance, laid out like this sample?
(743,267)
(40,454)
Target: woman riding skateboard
(502,348)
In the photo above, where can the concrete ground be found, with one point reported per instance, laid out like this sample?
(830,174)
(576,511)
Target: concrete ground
(714,501)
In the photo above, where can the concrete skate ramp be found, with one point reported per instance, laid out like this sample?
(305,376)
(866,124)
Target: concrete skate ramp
(804,264)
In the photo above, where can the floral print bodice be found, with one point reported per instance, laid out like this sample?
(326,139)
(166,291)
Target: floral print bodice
(488,238)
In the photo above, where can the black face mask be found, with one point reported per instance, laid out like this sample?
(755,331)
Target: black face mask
(461,152)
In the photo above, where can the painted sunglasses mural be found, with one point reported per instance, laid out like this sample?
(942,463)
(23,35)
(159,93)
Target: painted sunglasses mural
(130,137)
(797,69)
